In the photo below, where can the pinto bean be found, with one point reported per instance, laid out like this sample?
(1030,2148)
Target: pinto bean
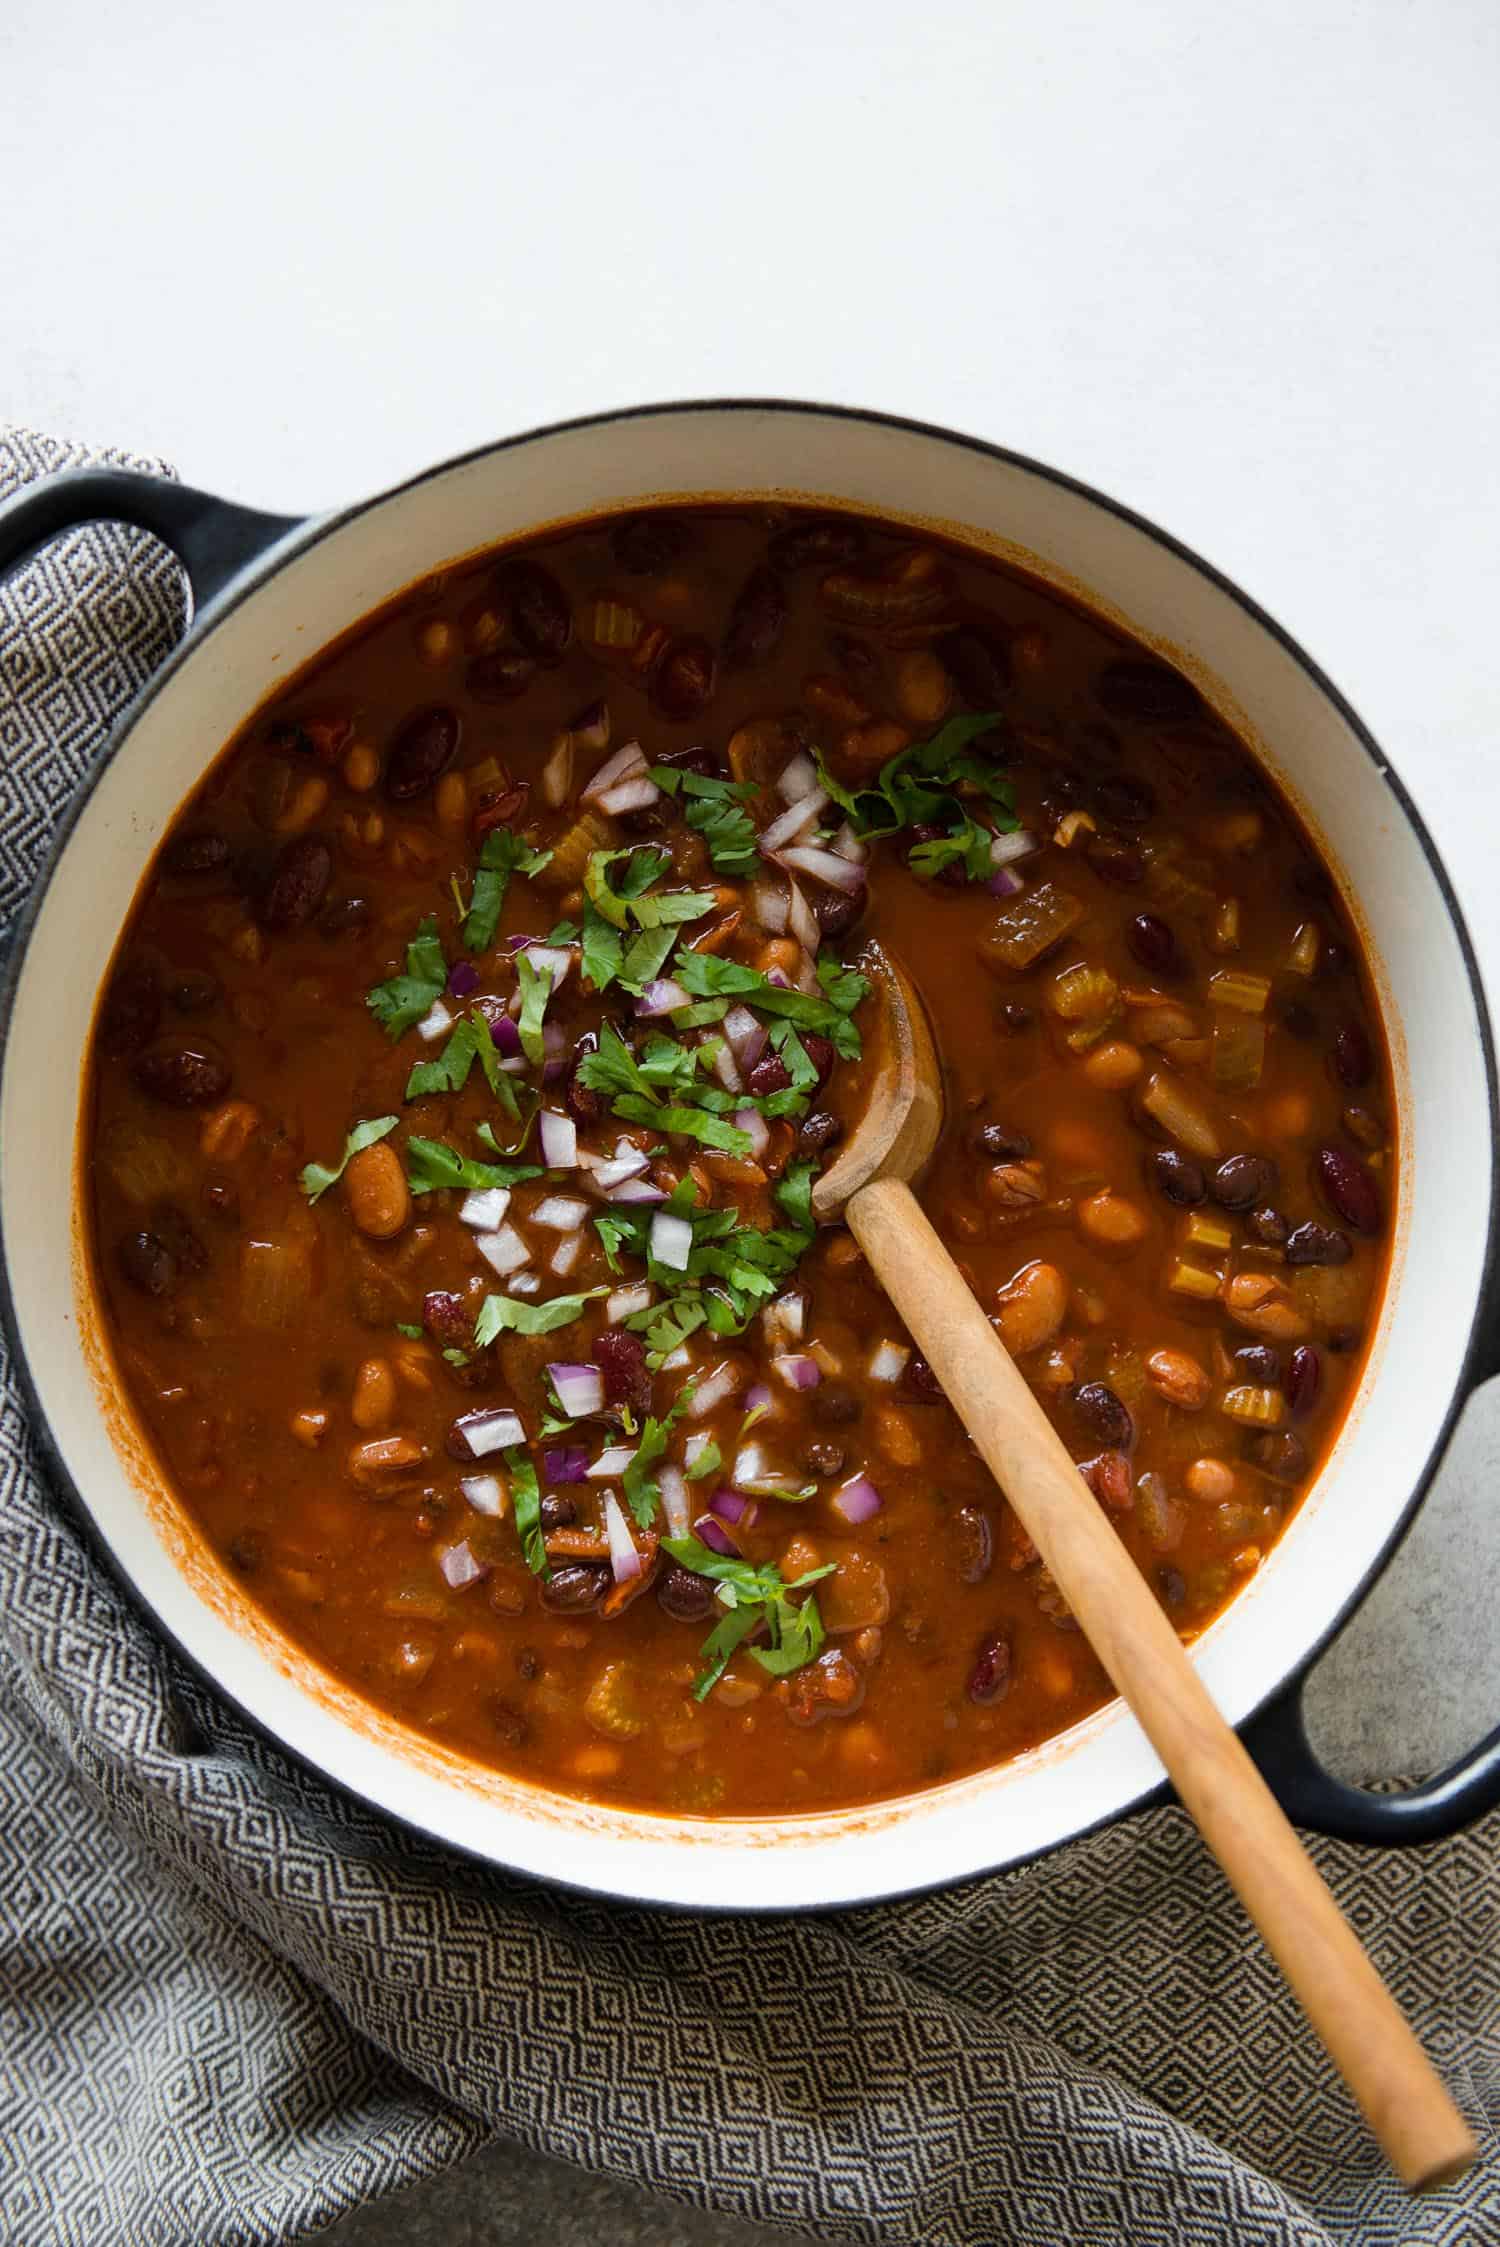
(377,1193)
(1032,1308)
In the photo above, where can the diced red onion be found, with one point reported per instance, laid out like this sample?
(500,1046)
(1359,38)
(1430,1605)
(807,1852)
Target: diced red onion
(463,978)
(778,979)
(556,779)
(569,1463)
(676,1504)
(611,1462)
(459,1567)
(485,1493)
(580,1389)
(565,1255)
(671,1238)
(492,1428)
(626,1301)
(630,795)
(504,1252)
(797,1372)
(661,997)
(728,1505)
(857,1501)
(724,1069)
(825,866)
(846,844)
(753,1124)
(711,1532)
(746,1036)
(794,821)
(784,1320)
(1005,882)
(614,1172)
(1005,849)
(799,776)
(624,1559)
(435,1022)
(801,920)
(558,1049)
(769,906)
(807,974)
(627,763)
(507,1037)
(759,1399)
(559,1137)
(714,1388)
(560,1213)
(888,1361)
(485,1209)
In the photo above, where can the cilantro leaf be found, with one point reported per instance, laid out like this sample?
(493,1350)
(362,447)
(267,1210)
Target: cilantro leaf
(713,807)
(708,1462)
(401,1002)
(508,1314)
(603,947)
(526,1504)
(926,784)
(645,957)
(797,1641)
(754,1593)
(794,1193)
(707,976)
(431,1164)
(536,990)
(684,1123)
(317,1177)
(643,865)
(504,853)
(720,1645)
(673,907)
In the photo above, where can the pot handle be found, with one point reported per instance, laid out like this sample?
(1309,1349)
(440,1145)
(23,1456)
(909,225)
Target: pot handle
(1315,1800)
(213,539)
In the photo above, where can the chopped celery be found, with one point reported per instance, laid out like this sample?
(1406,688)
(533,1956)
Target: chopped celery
(1031,924)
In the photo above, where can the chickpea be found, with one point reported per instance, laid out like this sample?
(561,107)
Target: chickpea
(1238,831)
(896,1436)
(781,952)
(596,1761)
(436,643)
(1288,1116)
(1032,1308)
(923,688)
(1179,1378)
(1114,1065)
(361,767)
(304,804)
(451,801)
(226,1131)
(1261,1302)
(1109,1220)
(1210,1480)
(373,1405)
(248,945)
(377,1193)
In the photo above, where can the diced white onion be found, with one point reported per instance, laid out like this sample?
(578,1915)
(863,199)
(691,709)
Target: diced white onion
(794,821)
(889,1361)
(608,1175)
(799,775)
(485,1493)
(753,1124)
(1006,848)
(435,1022)
(749,1466)
(566,1254)
(725,1070)
(671,1240)
(714,1388)
(580,1389)
(551,959)
(769,906)
(846,844)
(557,773)
(630,795)
(623,1556)
(801,921)
(697,1443)
(680,1357)
(459,1567)
(612,1462)
(784,1320)
(676,1504)
(559,1137)
(745,1035)
(626,1301)
(627,762)
(826,866)
(497,1430)
(504,1252)
(525,1283)
(560,1213)
(485,1210)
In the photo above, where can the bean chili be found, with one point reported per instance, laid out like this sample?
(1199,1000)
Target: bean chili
(468,1057)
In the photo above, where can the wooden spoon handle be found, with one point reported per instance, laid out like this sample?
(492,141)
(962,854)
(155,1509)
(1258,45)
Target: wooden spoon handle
(1424,2135)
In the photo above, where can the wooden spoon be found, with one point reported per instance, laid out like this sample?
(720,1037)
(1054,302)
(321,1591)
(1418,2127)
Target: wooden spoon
(1425,2137)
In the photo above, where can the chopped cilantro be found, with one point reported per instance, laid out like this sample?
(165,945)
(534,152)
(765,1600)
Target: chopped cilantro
(431,1164)
(402,1001)
(603,947)
(673,907)
(705,975)
(536,990)
(794,1193)
(526,1504)
(412,1333)
(713,807)
(504,854)
(686,1123)
(508,1314)
(317,1177)
(708,1462)
(645,957)
(757,1593)
(926,786)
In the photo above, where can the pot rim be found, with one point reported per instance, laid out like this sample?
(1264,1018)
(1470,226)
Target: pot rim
(300,539)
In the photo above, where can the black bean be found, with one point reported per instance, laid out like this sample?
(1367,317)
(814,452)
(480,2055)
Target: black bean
(1004,1144)
(1178,1177)
(1298,1020)
(1348,1189)
(575,1588)
(1117,861)
(989,1678)
(645,545)
(1311,880)
(824,1458)
(817,1132)
(1342,1339)
(685,678)
(1283,1457)
(1156,947)
(1259,1363)
(344,916)
(555,1511)
(621,1358)
(424,746)
(769,1075)
(978,656)
(1268,1226)
(973,1543)
(247,1550)
(182,1075)
(1124,798)
(1317,1244)
(1304,1378)
(1147,692)
(1242,1181)
(919,1381)
(682,1595)
(299,880)
(192,990)
(510,1727)
(202,850)
(171,1226)
(539,612)
(1014,1018)
(832,1405)
(1101,1412)
(802,545)
(131,1014)
(1353,1062)
(756,621)
(1066,788)
(503,675)
(148,1263)
(221,1199)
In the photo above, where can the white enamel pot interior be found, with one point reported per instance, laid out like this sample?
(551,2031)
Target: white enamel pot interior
(327,575)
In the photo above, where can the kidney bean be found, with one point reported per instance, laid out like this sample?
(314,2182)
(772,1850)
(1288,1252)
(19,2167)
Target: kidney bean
(821,1052)
(539,612)
(682,1595)
(824,542)
(1178,1176)
(554,1511)
(192,990)
(448,1319)
(501,675)
(1109,1478)
(1125,798)
(1117,861)
(1148,693)
(424,746)
(1317,1244)
(131,1014)
(645,545)
(1106,1419)
(1268,1226)
(837,910)
(203,850)
(834,1406)
(1299,1021)
(1004,1144)
(1260,1364)
(756,621)
(574,1589)
(182,1075)
(1242,1181)
(817,1132)
(1283,1457)
(825,1458)
(973,1543)
(769,1075)
(1155,946)
(298,884)
(1304,1378)
(978,655)
(919,1381)
(685,678)
(1014,1018)
(148,1263)
(1348,1189)
(989,1678)
(1353,1062)
(621,1358)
